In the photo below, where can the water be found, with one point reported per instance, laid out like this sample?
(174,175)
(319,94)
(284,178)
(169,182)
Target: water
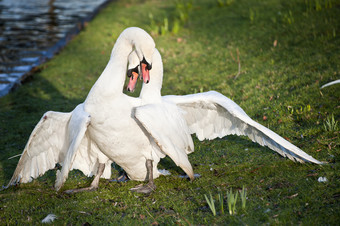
(32,31)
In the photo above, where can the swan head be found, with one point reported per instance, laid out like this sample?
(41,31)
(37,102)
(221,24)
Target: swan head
(144,46)
(138,40)
(133,71)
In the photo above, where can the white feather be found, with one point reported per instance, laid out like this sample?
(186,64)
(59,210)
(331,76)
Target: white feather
(331,83)
(164,172)
(49,218)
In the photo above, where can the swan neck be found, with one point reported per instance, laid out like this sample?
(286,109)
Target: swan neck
(152,90)
(150,94)
(112,79)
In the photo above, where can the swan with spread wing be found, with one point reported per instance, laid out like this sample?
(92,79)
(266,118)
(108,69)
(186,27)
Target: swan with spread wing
(210,115)
(91,135)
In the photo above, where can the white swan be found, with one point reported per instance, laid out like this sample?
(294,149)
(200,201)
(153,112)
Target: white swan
(63,137)
(210,115)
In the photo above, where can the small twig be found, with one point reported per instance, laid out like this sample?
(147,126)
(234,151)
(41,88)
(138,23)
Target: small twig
(184,219)
(232,56)
(149,213)
(237,61)
(14,156)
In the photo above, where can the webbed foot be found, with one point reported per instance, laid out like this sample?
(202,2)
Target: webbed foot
(145,189)
(150,186)
(73,191)
(94,185)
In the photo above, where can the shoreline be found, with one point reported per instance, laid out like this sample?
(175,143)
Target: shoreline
(11,80)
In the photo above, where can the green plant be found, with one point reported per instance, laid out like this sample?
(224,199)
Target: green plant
(222,3)
(154,28)
(232,199)
(330,124)
(243,196)
(175,27)
(251,15)
(316,5)
(288,18)
(165,27)
(183,9)
(220,197)
(211,203)
(300,112)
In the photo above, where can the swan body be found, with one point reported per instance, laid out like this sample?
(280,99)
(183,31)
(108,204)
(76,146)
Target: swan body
(210,115)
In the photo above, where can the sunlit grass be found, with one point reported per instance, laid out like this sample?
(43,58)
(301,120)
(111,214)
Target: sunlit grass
(282,66)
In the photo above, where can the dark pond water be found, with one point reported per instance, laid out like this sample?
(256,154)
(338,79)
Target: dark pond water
(32,31)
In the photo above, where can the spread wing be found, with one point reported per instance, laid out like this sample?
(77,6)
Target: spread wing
(167,127)
(49,143)
(210,115)
(45,147)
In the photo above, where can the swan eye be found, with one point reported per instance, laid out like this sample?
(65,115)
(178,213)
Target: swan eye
(148,66)
(130,71)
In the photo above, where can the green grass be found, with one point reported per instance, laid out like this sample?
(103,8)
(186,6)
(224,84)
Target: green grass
(287,50)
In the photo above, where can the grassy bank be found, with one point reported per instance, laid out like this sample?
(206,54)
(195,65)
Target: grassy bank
(269,57)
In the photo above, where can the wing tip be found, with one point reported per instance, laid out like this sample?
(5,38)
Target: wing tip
(187,168)
(14,181)
(310,159)
(58,181)
(318,162)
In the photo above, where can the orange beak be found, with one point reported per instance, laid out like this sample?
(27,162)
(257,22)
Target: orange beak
(145,73)
(132,82)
